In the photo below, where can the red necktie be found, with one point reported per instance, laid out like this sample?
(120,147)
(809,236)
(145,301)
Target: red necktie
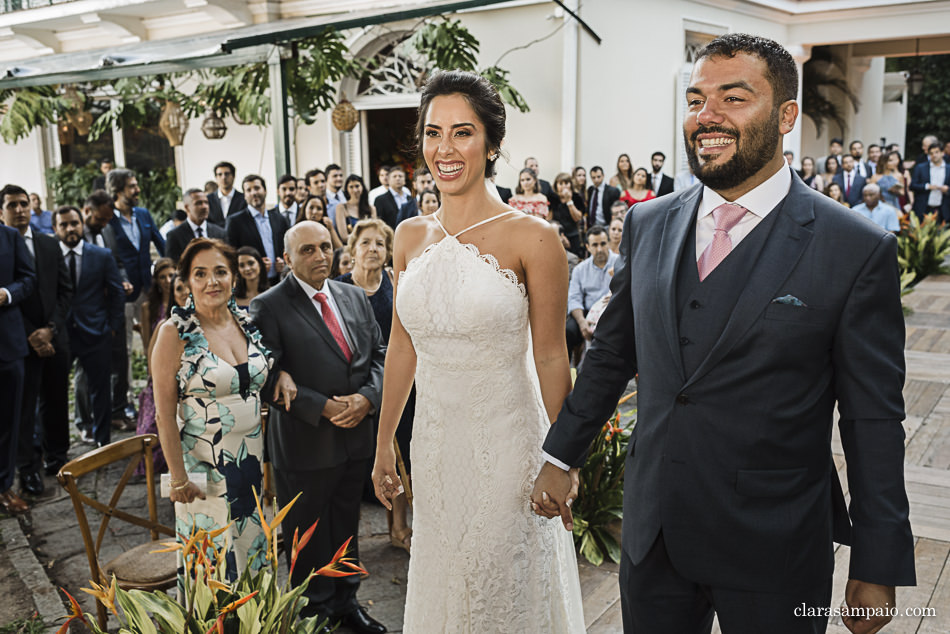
(726,215)
(333,325)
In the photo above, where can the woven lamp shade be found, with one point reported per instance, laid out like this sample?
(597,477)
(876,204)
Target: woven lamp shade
(173,123)
(345,116)
(78,116)
(213,126)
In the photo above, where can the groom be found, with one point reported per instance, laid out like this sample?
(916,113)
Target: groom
(757,304)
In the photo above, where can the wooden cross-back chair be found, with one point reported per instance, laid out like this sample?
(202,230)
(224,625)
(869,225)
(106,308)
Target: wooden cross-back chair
(138,567)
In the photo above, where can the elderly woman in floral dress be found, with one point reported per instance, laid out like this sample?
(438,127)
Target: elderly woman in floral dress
(209,368)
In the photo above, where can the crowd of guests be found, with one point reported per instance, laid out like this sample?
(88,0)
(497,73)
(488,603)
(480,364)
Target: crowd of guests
(215,313)
(883,186)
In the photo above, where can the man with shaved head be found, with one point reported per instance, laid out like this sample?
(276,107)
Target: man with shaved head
(321,435)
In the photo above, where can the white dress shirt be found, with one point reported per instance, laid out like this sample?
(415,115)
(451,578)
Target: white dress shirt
(601,215)
(937,175)
(760,202)
(657,181)
(289,213)
(78,250)
(194,228)
(311,291)
(28,238)
(225,200)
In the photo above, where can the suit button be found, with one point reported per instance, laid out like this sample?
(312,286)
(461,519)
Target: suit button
(695,304)
(684,341)
(682,399)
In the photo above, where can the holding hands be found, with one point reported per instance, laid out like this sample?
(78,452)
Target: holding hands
(554,492)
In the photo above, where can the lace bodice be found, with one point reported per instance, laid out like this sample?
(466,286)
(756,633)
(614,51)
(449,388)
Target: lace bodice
(481,560)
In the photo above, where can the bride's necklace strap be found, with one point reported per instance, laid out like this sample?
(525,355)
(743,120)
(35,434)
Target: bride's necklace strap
(477,224)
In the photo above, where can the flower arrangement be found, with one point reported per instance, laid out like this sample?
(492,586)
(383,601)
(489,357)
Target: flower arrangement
(208,603)
(600,495)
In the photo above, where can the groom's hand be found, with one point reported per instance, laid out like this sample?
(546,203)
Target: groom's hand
(554,492)
(875,599)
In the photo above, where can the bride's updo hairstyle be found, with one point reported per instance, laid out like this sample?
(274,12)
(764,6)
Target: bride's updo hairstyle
(480,94)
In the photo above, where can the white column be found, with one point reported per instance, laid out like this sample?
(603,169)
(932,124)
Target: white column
(569,90)
(118,140)
(793,140)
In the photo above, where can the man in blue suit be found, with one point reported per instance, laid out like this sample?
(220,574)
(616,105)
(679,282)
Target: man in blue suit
(750,306)
(930,182)
(134,229)
(850,180)
(95,315)
(17,281)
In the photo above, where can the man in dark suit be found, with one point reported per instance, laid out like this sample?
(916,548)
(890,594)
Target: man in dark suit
(196,225)
(732,500)
(134,229)
(98,212)
(660,183)
(392,200)
(324,335)
(96,314)
(46,369)
(256,227)
(601,196)
(850,181)
(930,182)
(227,201)
(17,281)
(287,199)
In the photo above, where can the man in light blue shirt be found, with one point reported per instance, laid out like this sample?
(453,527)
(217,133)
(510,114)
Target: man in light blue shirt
(590,281)
(877,211)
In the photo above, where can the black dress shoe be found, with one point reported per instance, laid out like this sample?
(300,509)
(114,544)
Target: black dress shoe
(52,467)
(359,621)
(31,483)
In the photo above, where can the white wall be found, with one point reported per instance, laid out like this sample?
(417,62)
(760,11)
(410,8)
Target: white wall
(23,164)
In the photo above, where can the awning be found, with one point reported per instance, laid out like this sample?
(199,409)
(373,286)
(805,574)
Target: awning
(244,45)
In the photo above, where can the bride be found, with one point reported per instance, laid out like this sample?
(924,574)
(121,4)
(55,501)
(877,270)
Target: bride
(478,323)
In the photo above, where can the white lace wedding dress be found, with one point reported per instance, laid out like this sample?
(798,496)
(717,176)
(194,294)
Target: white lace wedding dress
(481,560)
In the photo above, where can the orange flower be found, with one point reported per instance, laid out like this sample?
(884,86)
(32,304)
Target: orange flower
(75,613)
(270,529)
(299,545)
(340,565)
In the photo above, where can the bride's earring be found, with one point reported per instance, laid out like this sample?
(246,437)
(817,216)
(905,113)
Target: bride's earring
(493,156)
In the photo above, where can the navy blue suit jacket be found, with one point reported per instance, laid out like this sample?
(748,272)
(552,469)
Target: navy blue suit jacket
(98,306)
(854,196)
(138,261)
(919,179)
(19,278)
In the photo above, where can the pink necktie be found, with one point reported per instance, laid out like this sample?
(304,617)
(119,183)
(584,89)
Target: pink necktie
(333,325)
(726,215)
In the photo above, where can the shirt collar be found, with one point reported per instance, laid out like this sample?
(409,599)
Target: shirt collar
(255,212)
(66,250)
(282,209)
(194,227)
(29,233)
(759,201)
(311,291)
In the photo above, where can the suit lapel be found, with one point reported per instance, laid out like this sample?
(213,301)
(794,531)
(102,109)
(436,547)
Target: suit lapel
(783,248)
(676,229)
(348,312)
(304,305)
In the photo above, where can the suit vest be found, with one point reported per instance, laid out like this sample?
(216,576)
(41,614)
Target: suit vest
(704,308)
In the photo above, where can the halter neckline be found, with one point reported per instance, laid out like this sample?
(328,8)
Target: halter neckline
(477,224)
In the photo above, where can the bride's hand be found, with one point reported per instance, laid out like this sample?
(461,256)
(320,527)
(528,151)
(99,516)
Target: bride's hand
(386,482)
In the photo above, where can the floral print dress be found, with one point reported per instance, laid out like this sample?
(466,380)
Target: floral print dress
(219,422)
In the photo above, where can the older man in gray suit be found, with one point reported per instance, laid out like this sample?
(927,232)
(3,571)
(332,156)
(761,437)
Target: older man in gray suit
(749,304)
(324,335)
